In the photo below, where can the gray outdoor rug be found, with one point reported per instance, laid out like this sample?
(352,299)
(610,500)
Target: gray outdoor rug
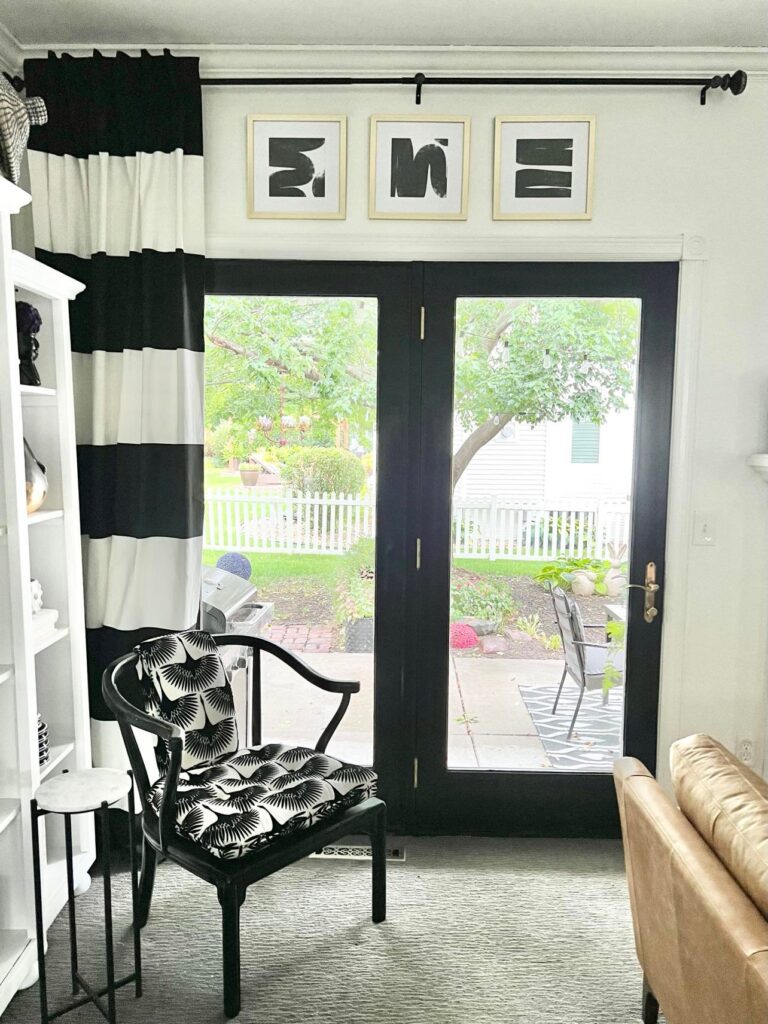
(485,931)
(597,738)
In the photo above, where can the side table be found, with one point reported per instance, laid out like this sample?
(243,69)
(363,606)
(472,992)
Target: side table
(81,792)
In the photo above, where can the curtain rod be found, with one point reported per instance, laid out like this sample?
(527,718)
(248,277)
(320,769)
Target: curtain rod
(735,83)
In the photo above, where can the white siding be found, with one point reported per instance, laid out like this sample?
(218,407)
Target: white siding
(511,468)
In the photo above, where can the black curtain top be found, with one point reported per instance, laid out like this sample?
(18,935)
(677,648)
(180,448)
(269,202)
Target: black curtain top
(119,105)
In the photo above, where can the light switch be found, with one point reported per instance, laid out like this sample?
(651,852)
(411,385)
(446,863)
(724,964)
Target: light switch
(704,529)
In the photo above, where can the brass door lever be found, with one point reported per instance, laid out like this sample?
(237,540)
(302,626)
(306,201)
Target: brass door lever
(650,587)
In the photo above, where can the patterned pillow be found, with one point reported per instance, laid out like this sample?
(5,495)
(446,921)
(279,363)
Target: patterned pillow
(185,683)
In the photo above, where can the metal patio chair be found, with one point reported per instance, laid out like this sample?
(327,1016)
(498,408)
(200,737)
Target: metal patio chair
(585,661)
(233,815)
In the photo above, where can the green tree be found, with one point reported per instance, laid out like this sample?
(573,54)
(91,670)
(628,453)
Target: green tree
(267,356)
(527,360)
(537,360)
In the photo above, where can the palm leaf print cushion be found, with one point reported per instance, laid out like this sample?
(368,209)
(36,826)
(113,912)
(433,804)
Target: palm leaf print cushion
(241,803)
(185,683)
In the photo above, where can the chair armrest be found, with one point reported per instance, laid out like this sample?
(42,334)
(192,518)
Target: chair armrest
(586,643)
(594,625)
(290,659)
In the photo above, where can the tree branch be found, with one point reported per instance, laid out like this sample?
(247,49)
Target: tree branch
(254,357)
(471,445)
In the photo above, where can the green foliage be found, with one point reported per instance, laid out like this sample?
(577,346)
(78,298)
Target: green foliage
(355,594)
(531,624)
(326,470)
(617,638)
(544,359)
(487,599)
(560,572)
(297,356)
(228,440)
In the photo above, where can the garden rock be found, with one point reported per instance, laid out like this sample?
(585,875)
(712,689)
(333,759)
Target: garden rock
(492,644)
(481,626)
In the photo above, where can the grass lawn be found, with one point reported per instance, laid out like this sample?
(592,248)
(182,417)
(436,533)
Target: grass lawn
(216,477)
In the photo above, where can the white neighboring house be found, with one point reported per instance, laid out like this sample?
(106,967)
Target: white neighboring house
(555,464)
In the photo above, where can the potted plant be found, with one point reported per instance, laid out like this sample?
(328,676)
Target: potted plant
(249,474)
(356,596)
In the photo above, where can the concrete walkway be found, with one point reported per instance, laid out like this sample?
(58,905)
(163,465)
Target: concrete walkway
(488,726)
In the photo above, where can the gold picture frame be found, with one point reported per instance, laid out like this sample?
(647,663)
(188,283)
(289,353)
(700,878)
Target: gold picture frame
(374,212)
(550,208)
(283,209)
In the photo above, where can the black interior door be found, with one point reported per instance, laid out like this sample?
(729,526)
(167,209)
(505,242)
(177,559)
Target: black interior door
(495,795)
(392,287)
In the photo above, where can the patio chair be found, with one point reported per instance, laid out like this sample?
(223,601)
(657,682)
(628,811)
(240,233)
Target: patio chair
(585,661)
(233,815)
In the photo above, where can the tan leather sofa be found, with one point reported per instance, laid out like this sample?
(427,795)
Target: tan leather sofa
(698,885)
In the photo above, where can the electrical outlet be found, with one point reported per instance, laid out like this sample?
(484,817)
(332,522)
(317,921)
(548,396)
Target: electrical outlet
(745,751)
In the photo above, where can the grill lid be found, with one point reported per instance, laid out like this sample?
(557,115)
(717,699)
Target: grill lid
(225,592)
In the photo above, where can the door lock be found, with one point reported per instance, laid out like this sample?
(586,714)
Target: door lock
(650,588)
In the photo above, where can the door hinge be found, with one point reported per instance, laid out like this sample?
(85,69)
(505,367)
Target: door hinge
(422,323)
(418,553)
(415,773)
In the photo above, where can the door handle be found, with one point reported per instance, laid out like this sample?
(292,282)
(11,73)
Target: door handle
(650,588)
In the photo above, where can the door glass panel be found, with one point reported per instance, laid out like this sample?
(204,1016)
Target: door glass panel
(290,498)
(544,423)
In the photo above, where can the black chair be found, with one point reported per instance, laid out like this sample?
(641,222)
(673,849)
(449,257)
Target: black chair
(175,794)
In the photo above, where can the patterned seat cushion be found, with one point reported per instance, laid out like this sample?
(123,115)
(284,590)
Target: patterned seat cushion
(240,803)
(185,683)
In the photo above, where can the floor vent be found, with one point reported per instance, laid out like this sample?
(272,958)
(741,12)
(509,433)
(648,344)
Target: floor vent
(337,852)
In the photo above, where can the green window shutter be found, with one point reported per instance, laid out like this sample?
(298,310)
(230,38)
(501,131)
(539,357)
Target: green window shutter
(585,442)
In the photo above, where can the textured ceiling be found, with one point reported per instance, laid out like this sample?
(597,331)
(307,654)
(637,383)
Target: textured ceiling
(580,23)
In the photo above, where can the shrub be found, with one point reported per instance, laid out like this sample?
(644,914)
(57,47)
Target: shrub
(228,440)
(355,594)
(462,636)
(487,599)
(326,470)
(560,572)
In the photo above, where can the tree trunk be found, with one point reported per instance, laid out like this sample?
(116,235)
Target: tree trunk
(479,437)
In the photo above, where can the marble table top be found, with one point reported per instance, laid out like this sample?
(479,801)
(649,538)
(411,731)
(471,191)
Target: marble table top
(85,790)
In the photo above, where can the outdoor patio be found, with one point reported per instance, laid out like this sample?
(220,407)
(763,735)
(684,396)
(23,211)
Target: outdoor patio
(494,708)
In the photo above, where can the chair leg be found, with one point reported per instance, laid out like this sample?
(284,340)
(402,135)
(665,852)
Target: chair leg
(146,881)
(576,712)
(560,688)
(231,900)
(379,867)
(650,1004)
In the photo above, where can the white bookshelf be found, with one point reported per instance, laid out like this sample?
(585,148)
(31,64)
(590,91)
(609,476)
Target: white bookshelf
(39,673)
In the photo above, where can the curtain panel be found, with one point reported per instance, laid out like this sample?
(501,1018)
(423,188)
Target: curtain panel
(117,189)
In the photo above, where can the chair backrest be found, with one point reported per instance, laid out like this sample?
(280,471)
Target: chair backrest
(184,683)
(571,627)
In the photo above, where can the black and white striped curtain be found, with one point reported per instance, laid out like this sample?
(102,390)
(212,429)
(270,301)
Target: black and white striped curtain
(117,190)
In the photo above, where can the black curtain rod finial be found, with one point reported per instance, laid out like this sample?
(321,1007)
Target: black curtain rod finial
(735,84)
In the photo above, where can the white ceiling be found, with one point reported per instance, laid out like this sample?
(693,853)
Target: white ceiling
(577,23)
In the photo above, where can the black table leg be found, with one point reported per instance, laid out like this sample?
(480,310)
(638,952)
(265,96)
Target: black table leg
(71,904)
(106,868)
(39,913)
(134,891)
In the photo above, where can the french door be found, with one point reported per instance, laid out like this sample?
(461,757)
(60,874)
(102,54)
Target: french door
(544,433)
(516,435)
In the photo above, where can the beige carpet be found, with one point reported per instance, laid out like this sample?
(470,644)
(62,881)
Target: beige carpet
(480,931)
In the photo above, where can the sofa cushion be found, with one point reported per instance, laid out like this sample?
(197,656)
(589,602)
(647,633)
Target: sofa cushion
(727,804)
(261,794)
(185,683)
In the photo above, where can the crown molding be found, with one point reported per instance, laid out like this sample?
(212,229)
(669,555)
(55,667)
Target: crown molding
(218,61)
(11,52)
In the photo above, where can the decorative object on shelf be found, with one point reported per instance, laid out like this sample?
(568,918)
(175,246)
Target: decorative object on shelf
(297,167)
(44,622)
(419,168)
(36,596)
(542,168)
(36,479)
(28,323)
(43,747)
(16,116)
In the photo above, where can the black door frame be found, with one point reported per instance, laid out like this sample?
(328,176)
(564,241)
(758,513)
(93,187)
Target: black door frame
(395,286)
(537,803)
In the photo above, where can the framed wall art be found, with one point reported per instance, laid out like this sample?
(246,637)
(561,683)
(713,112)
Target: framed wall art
(419,168)
(543,168)
(297,166)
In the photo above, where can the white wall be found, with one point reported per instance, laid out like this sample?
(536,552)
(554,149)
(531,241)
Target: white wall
(665,167)
(610,477)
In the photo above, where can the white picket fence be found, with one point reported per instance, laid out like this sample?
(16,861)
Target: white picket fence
(259,520)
